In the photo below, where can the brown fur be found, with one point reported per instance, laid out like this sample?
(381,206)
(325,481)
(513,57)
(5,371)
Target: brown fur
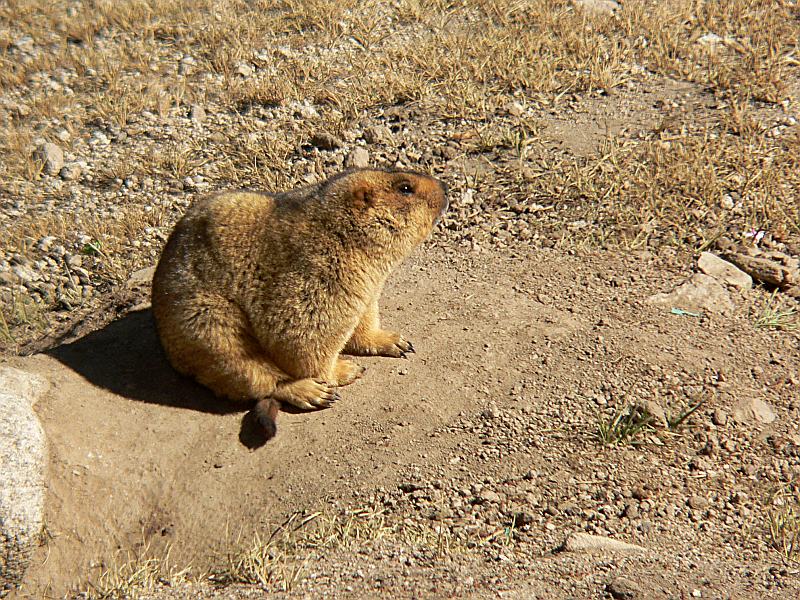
(256,295)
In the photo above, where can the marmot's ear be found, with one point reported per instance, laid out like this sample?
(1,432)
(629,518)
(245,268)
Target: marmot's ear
(362,195)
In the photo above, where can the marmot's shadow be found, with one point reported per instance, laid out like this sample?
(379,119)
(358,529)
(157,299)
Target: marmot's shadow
(126,358)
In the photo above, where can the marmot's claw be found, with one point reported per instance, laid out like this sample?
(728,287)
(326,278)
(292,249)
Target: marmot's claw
(403,354)
(410,346)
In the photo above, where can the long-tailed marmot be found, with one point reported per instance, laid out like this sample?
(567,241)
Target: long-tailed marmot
(255,295)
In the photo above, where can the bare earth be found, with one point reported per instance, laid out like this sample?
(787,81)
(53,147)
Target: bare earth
(518,357)
(590,156)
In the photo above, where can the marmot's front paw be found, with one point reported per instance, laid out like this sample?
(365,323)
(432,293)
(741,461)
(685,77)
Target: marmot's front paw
(389,343)
(403,345)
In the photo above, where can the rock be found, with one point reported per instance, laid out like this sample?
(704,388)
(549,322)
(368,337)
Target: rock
(45,243)
(625,589)
(358,158)
(22,454)
(720,417)
(51,157)
(325,141)
(515,109)
(697,502)
(597,7)
(244,69)
(754,409)
(711,40)
(70,172)
(659,417)
(723,271)
(701,292)
(24,44)
(581,542)
(197,113)
(25,274)
(141,278)
(379,134)
(487,496)
(8,278)
(307,112)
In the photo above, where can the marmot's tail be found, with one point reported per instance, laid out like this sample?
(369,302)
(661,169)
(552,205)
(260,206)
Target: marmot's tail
(266,411)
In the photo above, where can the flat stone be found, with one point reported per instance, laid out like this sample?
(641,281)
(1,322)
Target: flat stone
(582,542)
(754,410)
(22,454)
(141,278)
(723,271)
(597,7)
(700,293)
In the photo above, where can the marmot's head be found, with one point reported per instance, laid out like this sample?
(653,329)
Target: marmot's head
(389,210)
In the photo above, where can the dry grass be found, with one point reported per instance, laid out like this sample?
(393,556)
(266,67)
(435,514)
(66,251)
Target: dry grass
(279,562)
(132,576)
(783,523)
(777,314)
(627,426)
(671,191)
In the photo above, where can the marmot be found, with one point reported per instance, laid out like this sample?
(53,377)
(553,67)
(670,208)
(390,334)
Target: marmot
(255,295)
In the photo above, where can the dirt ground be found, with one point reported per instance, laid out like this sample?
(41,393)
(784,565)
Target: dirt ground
(520,356)
(591,156)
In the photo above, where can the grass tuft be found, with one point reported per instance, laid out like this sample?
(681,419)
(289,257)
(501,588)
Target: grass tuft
(626,426)
(135,575)
(783,524)
(776,316)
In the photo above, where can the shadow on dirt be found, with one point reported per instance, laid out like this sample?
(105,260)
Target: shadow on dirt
(126,358)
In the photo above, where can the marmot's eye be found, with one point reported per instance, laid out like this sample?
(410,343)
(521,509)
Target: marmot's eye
(405,188)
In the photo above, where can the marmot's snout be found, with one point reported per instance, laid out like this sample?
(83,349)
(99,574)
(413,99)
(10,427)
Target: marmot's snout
(443,205)
(435,194)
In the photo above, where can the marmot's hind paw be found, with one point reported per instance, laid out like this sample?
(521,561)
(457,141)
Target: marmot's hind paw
(307,394)
(347,371)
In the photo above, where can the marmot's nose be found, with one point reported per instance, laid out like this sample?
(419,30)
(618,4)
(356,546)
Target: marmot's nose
(445,199)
